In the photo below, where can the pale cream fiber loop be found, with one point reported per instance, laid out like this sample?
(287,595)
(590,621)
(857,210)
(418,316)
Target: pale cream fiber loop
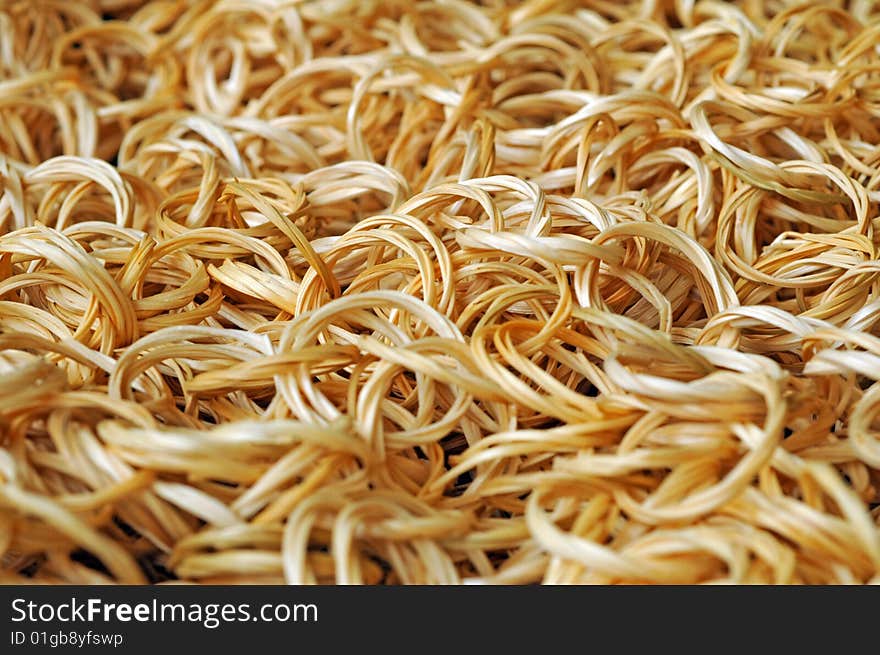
(441,292)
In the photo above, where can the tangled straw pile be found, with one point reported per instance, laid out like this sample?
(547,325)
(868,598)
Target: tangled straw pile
(365,291)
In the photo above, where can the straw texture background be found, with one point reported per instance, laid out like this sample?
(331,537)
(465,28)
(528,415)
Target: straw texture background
(380,291)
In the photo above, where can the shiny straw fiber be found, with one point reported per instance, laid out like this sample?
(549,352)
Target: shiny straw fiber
(439,292)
